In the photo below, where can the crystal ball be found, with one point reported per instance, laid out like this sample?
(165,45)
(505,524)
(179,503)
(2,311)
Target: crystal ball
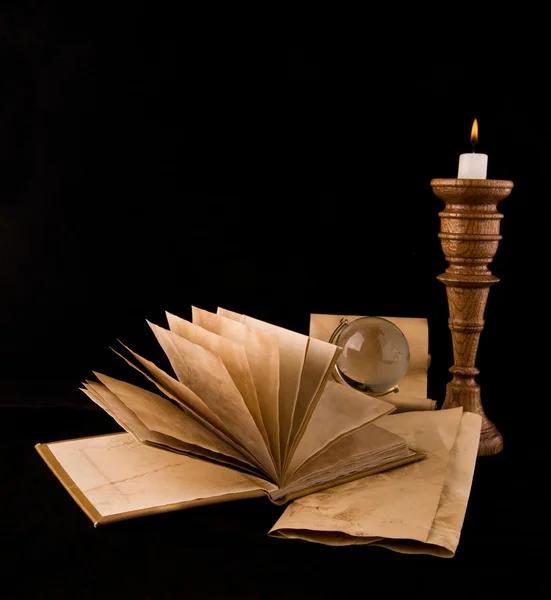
(375,355)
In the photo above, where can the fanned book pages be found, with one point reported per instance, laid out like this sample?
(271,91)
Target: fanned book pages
(249,409)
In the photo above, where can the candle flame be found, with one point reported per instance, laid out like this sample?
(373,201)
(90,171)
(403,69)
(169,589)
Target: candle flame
(474,133)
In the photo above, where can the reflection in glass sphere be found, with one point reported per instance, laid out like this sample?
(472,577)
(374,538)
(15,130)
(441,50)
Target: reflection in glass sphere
(375,354)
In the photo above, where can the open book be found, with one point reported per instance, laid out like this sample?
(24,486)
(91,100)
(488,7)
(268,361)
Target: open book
(245,394)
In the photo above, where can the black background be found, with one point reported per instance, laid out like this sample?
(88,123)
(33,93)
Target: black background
(152,160)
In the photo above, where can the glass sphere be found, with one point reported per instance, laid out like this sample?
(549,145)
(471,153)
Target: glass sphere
(375,354)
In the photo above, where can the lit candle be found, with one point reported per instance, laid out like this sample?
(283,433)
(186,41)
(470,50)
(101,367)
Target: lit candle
(473,165)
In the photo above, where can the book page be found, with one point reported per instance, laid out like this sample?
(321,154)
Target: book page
(158,414)
(179,393)
(414,382)
(115,477)
(230,314)
(364,449)
(292,356)
(340,411)
(162,424)
(206,375)
(320,360)
(397,504)
(186,399)
(262,352)
(234,357)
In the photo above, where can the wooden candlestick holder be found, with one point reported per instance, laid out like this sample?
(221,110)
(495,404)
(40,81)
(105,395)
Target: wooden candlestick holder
(469,234)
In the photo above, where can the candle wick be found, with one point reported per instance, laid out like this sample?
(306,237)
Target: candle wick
(474,147)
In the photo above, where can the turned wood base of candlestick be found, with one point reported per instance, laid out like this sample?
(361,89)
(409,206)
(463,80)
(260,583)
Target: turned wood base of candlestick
(468,396)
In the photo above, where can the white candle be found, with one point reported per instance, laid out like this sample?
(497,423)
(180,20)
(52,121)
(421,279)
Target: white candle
(473,165)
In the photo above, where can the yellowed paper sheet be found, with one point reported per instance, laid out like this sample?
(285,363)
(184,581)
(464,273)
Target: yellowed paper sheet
(184,397)
(262,352)
(230,314)
(205,374)
(340,411)
(405,403)
(234,357)
(414,382)
(117,477)
(320,360)
(360,451)
(445,532)
(292,356)
(106,400)
(400,504)
(155,420)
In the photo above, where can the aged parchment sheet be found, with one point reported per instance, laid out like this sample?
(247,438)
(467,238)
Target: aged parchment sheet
(418,508)
(306,365)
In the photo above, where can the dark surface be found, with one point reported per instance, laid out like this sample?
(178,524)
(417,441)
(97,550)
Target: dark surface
(151,161)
